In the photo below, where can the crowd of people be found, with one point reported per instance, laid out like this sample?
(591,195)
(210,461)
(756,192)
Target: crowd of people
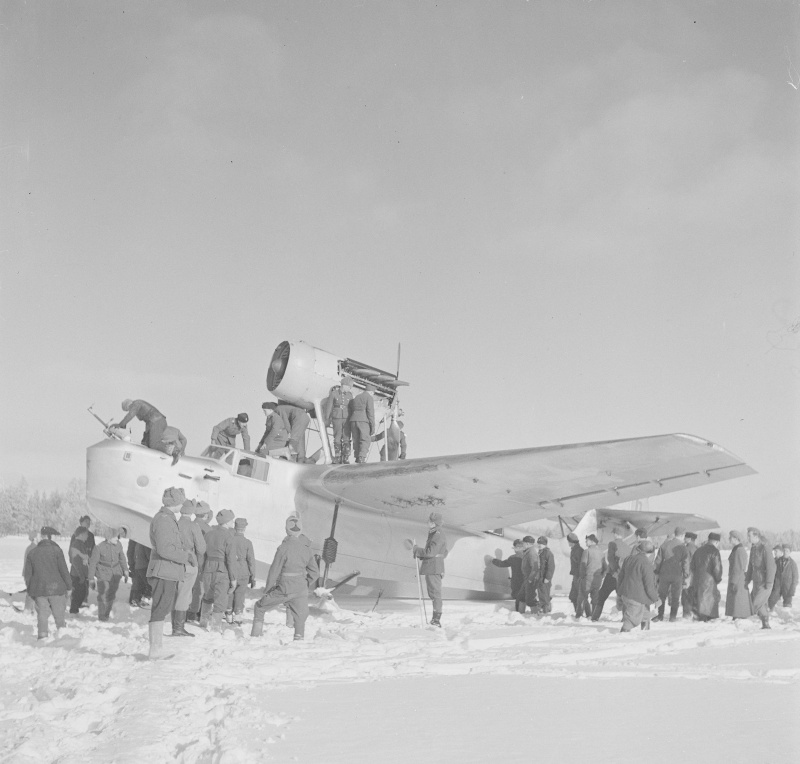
(195,572)
(351,418)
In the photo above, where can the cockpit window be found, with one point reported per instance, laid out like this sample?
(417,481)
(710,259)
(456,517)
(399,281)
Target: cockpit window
(219,453)
(253,467)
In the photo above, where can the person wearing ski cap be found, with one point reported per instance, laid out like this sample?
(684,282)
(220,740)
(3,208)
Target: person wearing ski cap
(154,421)
(672,568)
(167,566)
(636,586)
(575,555)
(219,580)
(244,571)
(294,571)
(737,598)
(172,443)
(81,544)
(761,573)
(202,514)
(47,581)
(194,541)
(224,434)
(547,567)
(275,433)
(108,564)
(432,563)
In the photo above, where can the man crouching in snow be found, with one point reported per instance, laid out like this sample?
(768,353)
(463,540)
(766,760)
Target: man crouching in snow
(637,586)
(48,581)
(167,565)
(293,572)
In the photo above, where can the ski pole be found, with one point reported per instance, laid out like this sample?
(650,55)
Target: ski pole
(422,612)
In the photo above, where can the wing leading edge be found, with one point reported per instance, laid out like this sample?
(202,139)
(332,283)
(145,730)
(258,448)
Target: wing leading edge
(501,488)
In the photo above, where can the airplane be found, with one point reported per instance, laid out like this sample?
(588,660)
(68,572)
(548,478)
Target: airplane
(360,516)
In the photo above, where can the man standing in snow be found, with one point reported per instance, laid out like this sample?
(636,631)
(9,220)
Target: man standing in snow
(636,586)
(575,555)
(761,571)
(193,540)
(618,550)
(515,563)
(219,580)
(244,571)
(168,560)
(591,569)
(547,567)
(706,575)
(432,566)
(33,537)
(530,572)
(108,564)
(47,580)
(687,595)
(788,576)
(293,571)
(775,594)
(671,569)
(84,543)
(202,514)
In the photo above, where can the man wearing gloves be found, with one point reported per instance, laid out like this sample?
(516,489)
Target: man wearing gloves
(293,572)
(108,564)
(244,571)
(432,566)
(219,580)
(167,566)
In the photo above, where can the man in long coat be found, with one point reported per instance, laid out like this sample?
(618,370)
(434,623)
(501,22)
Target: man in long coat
(591,569)
(737,598)
(788,576)
(636,587)
(530,572)
(167,566)
(706,575)
(775,594)
(575,554)
(432,563)
(687,595)
(761,573)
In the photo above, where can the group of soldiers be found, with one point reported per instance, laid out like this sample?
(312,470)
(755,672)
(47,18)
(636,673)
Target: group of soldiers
(532,567)
(351,417)
(680,574)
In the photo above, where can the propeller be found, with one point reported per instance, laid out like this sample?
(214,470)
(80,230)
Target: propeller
(277,366)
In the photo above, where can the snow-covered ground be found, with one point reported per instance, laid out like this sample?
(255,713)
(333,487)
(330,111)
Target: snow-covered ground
(375,687)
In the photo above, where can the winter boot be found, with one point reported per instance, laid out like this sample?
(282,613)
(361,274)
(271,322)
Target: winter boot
(673,614)
(660,616)
(156,629)
(229,617)
(205,614)
(765,622)
(215,624)
(190,616)
(258,629)
(178,627)
(435,620)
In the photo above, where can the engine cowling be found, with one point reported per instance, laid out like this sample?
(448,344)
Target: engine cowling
(303,375)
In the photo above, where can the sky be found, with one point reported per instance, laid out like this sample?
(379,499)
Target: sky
(580,219)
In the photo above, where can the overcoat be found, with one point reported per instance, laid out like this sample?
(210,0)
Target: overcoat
(706,574)
(737,599)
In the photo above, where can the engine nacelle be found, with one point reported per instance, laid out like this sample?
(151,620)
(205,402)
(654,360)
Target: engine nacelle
(303,375)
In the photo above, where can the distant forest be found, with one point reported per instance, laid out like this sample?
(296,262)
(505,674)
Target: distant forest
(22,511)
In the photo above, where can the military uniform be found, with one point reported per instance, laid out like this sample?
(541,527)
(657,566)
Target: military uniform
(224,434)
(591,570)
(336,411)
(108,564)
(47,581)
(671,567)
(193,613)
(193,541)
(530,572)
(275,435)
(173,437)
(687,594)
(293,571)
(432,564)
(636,586)
(243,567)
(547,567)
(761,572)
(575,555)
(85,548)
(618,550)
(361,421)
(154,422)
(217,572)
(140,587)
(295,421)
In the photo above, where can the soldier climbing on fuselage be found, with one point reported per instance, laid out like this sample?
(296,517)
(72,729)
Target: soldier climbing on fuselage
(154,421)
(224,434)
(275,433)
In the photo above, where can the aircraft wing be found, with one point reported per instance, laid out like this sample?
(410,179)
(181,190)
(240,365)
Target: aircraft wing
(500,488)
(655,523)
